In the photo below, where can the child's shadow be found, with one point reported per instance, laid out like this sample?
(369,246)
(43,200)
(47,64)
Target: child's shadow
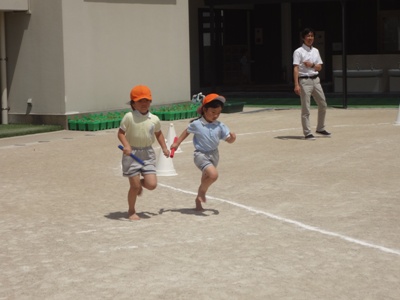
(123,215)
(190,211)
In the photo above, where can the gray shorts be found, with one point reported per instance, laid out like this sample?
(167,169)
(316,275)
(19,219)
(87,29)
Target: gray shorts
(203,160)
(131,167)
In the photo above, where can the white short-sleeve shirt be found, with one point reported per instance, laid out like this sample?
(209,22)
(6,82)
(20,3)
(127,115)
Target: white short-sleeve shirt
(305,53)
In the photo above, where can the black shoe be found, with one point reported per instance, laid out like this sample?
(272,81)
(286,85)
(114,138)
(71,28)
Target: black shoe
(310,137)
(324,132)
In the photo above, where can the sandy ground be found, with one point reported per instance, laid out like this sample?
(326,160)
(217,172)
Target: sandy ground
(287,218)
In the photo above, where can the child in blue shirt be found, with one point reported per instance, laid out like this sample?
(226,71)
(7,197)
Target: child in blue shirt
(207,133)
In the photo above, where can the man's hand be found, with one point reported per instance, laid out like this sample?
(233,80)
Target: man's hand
(309,64)
(297,89)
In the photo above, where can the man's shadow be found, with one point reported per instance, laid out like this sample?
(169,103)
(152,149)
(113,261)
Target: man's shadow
(297,137)
(123,215)
(290,137)
(190,211)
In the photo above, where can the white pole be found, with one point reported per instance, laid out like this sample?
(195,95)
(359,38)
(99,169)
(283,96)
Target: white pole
(398,118)
(3,71)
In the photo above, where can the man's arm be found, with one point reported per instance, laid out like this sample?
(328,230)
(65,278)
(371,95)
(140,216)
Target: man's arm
(296,79)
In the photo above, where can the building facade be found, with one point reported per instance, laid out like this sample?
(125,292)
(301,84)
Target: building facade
(68,57)
(61,58)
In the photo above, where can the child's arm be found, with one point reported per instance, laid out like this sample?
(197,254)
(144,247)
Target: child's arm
(161,141)
(181,138)
(121,136)
(231,138)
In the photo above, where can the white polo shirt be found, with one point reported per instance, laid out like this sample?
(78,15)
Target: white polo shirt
(305,53)
(140,129)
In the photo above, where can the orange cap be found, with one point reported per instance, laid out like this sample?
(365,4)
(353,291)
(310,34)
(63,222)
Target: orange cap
(140,92)
(212,97)
(208,99)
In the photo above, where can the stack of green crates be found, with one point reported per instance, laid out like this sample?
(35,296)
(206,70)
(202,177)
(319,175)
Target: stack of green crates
(103,121)
(176,111)
(95,122)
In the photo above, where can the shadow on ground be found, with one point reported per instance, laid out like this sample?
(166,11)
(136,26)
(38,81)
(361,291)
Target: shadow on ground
(123,215)
(190,211)
(290,137)
(299,137)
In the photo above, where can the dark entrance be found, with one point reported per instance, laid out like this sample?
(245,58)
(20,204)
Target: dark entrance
(224,36)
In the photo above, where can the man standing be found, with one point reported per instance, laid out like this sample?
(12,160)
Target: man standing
(306,66)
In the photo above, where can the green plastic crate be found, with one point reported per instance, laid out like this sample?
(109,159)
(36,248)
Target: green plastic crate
(170,116)
(116,123)
(110,124)
(82,125)
(72,124)
(103,124)
(93,125)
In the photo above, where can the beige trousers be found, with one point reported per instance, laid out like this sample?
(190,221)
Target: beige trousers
(312,87)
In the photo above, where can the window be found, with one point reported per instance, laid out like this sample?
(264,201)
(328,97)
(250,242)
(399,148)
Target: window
(389,31)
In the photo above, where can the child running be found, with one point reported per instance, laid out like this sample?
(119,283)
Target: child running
(207,133)
(138,131)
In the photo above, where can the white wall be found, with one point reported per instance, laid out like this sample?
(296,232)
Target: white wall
(79,56)
(35,58)
(110,46)
(14,5)
(194,5)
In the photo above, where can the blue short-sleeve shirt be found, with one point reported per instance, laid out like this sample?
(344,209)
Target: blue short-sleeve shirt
(207,135)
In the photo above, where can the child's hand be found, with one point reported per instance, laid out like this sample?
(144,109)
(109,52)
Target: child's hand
(127,150)
(166,152)
(231,138)
(174,146)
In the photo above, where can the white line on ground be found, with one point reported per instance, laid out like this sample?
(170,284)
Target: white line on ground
(295,223)
(86,231)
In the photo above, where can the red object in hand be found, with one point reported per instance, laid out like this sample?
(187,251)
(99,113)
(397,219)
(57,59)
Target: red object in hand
(173,149)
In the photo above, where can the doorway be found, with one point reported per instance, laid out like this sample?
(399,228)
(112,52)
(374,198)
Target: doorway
(224,34)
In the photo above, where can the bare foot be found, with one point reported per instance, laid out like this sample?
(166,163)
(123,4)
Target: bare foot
(199,207)
(132,216)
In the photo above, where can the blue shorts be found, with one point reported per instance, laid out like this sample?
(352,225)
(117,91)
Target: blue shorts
(131,167)
(204,159)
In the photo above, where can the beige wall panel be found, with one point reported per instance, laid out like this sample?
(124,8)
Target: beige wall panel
(35,65)
(15,5)
(110,46)
(79,56)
